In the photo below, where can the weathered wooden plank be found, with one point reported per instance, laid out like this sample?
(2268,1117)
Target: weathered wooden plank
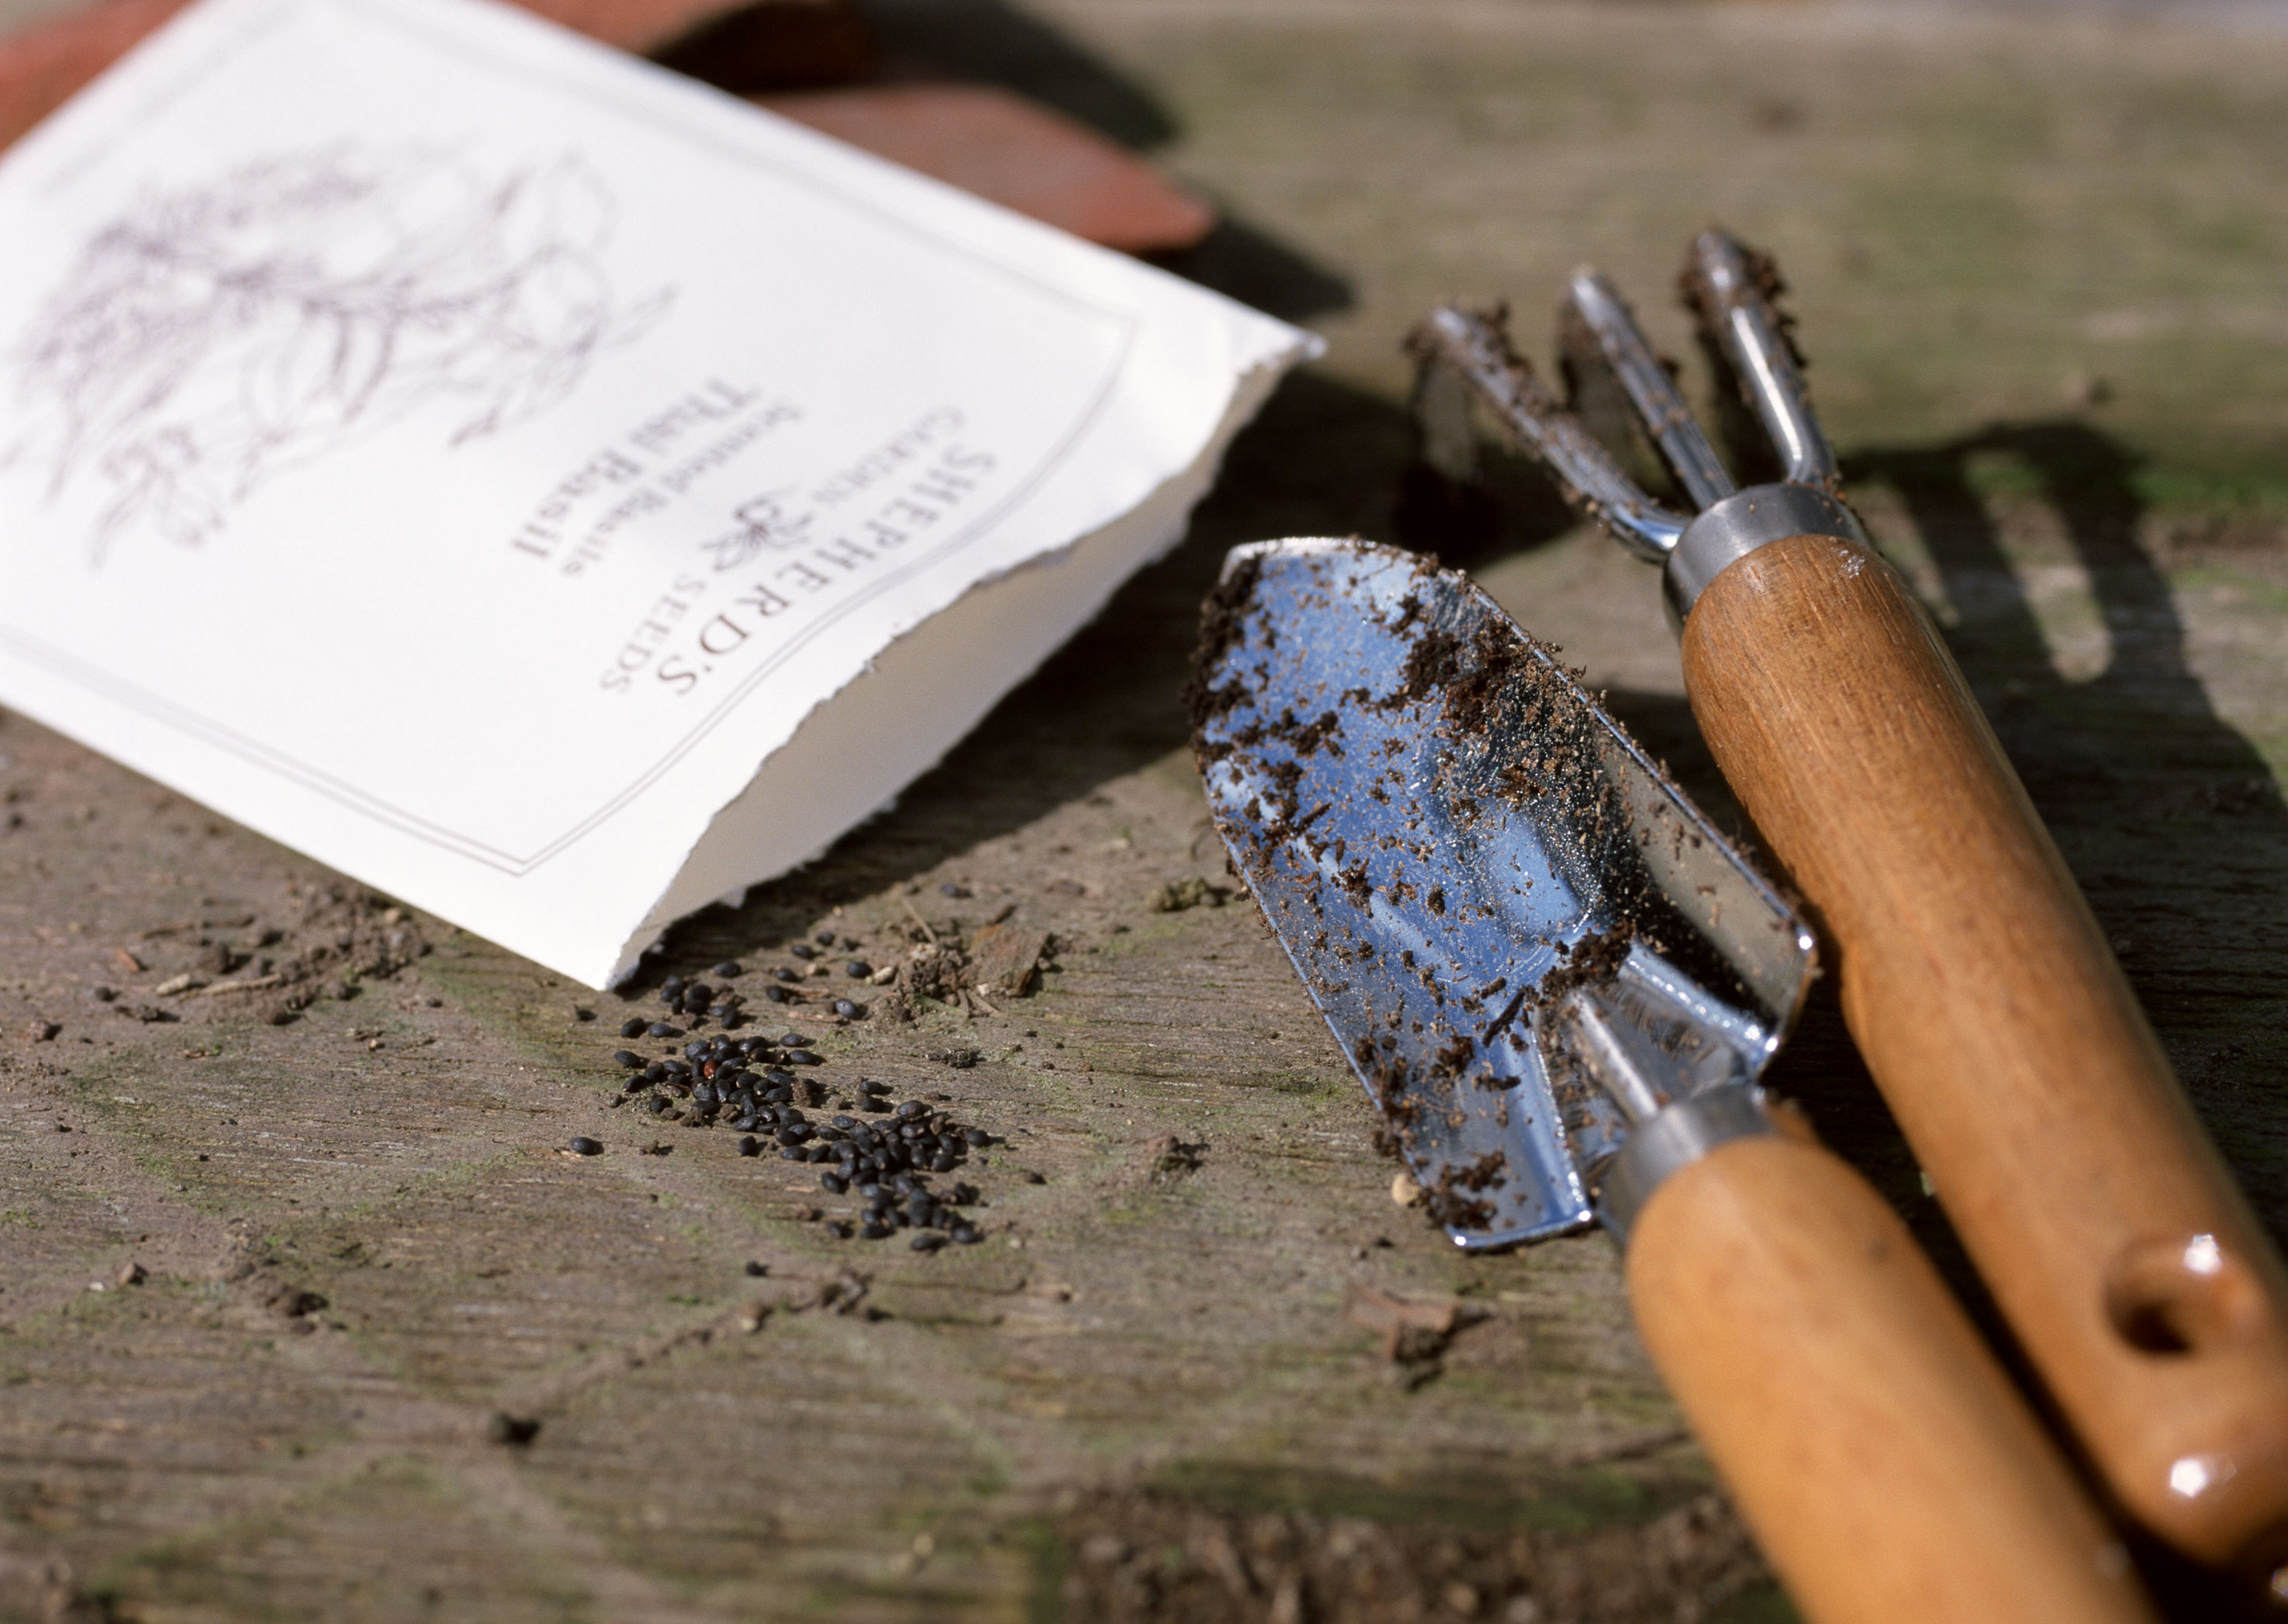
(1162,1403)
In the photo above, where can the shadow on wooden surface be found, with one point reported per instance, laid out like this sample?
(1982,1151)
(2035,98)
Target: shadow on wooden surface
(988,42)
(992,42)
(2167,813)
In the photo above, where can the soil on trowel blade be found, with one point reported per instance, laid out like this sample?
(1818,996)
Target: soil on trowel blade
(1488,680)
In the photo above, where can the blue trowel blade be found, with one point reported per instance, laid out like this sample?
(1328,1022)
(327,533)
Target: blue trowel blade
(1442,827)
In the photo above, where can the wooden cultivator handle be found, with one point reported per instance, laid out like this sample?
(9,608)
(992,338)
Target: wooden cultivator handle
(2000,1030)
(1888,1468)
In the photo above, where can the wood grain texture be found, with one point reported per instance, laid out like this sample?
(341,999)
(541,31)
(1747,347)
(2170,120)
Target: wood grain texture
(1888,1467)
(2001,1031)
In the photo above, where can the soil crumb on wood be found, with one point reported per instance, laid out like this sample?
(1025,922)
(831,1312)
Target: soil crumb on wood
(1168,1159)
(1139,1557)
(1414,1334)
(1006,958)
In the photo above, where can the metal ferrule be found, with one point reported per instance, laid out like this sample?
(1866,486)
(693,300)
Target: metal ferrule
(1674,1140)
(1738,526)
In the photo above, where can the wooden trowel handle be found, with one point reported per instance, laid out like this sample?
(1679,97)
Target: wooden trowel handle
(1887,1466)
(1999,1028)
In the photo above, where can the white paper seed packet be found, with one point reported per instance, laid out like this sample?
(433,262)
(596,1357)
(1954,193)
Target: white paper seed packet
(550,491)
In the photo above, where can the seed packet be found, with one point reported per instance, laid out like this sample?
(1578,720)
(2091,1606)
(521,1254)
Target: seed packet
(539,486)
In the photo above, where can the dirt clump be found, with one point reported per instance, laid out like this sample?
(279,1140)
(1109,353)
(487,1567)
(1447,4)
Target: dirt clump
(1591,962)
(1415,1332)
(1139,1559)
(1168,1159)
(1006,958)
(1177,896)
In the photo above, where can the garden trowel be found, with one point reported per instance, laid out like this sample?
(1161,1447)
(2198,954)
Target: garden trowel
(1560,985)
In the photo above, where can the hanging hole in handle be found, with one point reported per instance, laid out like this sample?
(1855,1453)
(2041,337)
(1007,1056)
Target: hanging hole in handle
(2178,1295)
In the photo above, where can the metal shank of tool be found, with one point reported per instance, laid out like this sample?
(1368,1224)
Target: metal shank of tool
(1678,1085)
(1458,346)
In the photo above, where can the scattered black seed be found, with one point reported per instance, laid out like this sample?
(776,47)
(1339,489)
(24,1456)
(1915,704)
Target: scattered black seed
(515,1429)
(585,1146)
(951,890)
(728,967)
(633,1027)
(886,1164)
(802,950)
